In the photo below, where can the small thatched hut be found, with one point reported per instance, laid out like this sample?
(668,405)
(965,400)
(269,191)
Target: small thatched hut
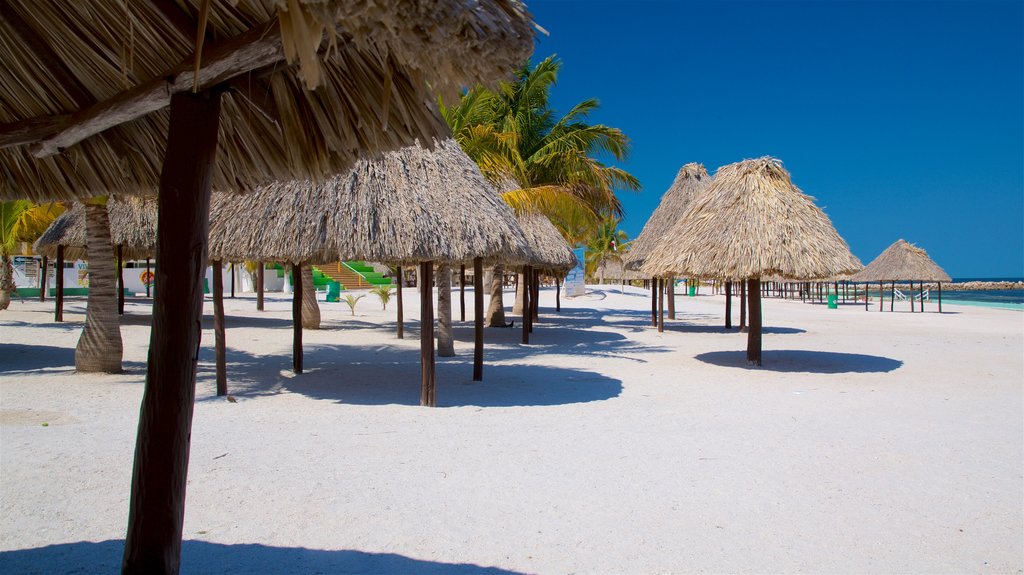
(690,183)
(414,206)
(752,222)
(902,262)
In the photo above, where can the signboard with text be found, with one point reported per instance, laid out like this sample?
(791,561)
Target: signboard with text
(575,280)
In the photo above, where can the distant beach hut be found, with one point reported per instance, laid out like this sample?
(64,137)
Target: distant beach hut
(132,223)
(414,206)
(902,262)
(615,270)
(752,222)
(550,254)
(690,183)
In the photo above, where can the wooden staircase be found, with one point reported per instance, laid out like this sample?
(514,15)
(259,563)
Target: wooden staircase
(343,275)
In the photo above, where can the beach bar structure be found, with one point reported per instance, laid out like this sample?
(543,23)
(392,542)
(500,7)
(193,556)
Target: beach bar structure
(752,222)
(111,98)
(690,183)
(901,262)
(416,206)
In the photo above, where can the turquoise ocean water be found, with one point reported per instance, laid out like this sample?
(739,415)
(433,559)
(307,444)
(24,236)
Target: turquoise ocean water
(1006,299)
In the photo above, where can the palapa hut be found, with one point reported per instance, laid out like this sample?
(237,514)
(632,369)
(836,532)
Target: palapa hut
(752,222)
(414,206)
(615,270)
(902,262)
(690,183)
(131,227)
(551,255)
(112,98)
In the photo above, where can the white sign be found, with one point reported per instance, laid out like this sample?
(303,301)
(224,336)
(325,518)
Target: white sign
(575,280)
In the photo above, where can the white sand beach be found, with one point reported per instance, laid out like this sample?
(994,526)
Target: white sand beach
(868,443)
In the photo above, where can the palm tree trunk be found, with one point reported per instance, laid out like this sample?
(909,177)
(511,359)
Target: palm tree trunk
(445,341)
(6,281)
(100,348)
(310,309)
(496,309)
(517,307)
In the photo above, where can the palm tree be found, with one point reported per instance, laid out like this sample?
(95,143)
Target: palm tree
(310,307)
(608,243)
(99,347)
(543,162)
(20,221)
(445,339)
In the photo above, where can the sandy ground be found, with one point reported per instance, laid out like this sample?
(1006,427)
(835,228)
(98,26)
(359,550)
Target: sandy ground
(868,443)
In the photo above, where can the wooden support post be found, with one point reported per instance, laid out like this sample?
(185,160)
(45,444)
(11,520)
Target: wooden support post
(297,318)
(218,328)
(654,302)
(911,294)
(940,296)
(892,296)
(478,319)
(42,283)
(462,292)
(754,335)
(558,293)
(671,298)
(157,502)
(58,312)
(661,305)
(148,292)
(743,306)
(120,279)
(233,279)
(534,299)
(526,306)
(728,305)
(398,300)
(259,285)
(427,376)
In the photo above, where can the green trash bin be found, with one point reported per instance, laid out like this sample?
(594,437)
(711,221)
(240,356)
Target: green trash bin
(833,301)
(333,291)
(693,291)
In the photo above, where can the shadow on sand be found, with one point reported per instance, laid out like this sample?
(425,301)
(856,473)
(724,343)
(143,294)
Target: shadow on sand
(17,357)
(206,557)
(801,361)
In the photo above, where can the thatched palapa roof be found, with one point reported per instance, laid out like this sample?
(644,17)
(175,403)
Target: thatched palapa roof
(611,269)
(85,86)
(690,183)
(551,254)
(902,262)
(132,225)
(752,222)
(409,206)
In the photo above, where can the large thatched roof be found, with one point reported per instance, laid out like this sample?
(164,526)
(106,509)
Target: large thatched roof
(902,262)
(132,225)
(85,86)
(752,222)
(550,252)
(409,206)
(690,183)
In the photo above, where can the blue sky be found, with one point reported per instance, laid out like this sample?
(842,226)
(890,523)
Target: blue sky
(904,119)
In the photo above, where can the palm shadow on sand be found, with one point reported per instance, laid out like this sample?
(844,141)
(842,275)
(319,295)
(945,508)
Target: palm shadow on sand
(207,557)
(803,361)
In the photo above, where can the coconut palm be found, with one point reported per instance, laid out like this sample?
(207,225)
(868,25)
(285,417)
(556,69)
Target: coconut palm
(20,221)
(445,340)
(553,162)
(99,347)
(608,243)
(310,308)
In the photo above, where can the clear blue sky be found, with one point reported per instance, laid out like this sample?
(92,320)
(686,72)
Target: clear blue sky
(904,119)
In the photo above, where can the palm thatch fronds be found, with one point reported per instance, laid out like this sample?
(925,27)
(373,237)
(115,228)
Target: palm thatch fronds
(85,86)
(132,226)
(752,222)
(690,183)
(410,206)
(902,262)
(550,252)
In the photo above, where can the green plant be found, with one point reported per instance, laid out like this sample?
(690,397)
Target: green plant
(351,300)
(383,291)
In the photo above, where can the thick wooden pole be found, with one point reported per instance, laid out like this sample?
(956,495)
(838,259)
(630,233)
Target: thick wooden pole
(398,299)
(892,296)
(754,335)
(661,305)
(220,346)
(671,298)
(42,283)
(427,382)
(654,302)
(157,503)
(462,293)
(120,279)
(478,319)
(233,280)
(940,296)
(297,317)
(728,305)
(58,313)
(911,294)
(526,306)
(259,285)
(881,296)
(558,293)
(535,299)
